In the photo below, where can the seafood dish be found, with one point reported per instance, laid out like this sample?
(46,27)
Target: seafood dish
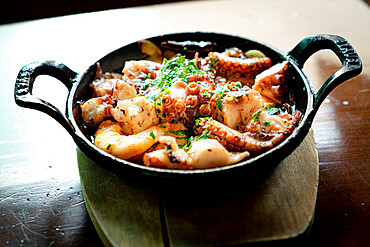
(194,106)
(178,111)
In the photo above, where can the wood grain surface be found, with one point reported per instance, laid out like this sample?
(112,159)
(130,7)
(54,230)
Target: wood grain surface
(279,206)
(41,199)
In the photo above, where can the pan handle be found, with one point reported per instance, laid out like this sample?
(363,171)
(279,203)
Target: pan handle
(24,84)
(352,65)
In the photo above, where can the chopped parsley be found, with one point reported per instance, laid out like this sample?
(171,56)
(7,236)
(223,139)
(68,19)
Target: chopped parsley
(222,88)
(206,94)
(212,64)
(234,90)
(158,102)
(183,134)
(267,124)
(163,127)
(171,71)
(219,104)
(205,118)
(188,145)
(236,94)
(204,135)
(176,69)
(108,147)
(152,135)
(146,84)
(271,110)
(257,114)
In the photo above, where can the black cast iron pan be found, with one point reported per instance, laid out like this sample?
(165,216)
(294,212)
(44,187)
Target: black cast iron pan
(306,100)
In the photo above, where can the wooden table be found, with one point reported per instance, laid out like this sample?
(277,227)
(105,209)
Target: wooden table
(41,202)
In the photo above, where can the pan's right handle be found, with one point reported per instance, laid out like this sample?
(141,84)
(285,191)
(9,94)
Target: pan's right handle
(24,84)
(351,62)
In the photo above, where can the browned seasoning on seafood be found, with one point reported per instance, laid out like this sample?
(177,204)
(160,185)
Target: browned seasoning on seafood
(199,113)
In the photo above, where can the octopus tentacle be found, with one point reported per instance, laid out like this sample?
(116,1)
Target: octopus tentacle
(272,82)
(192,88)
(255,142)
(239,69)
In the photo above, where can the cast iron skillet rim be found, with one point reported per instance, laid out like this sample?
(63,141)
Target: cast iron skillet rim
(303,125)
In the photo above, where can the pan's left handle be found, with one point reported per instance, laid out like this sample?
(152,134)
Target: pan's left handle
(24,84)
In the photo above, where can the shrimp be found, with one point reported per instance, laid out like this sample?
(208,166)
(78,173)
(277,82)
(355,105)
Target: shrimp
(136,114)
(95,110)
(109,137)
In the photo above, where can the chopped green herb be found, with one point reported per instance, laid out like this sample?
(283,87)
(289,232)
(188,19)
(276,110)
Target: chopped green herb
(188,145)
(256,115)
(267,124)
(206,94)
(204,135)
(108,147)
(181,133)
(161,126)
(146,84)
(153,94)
(152,135)
(181,138)
(271,110)
(174,70)
(158,102)
(238,85)
(222,89)
(219,104)
(171,71)
(236,94)
(205,118)
(213,63)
